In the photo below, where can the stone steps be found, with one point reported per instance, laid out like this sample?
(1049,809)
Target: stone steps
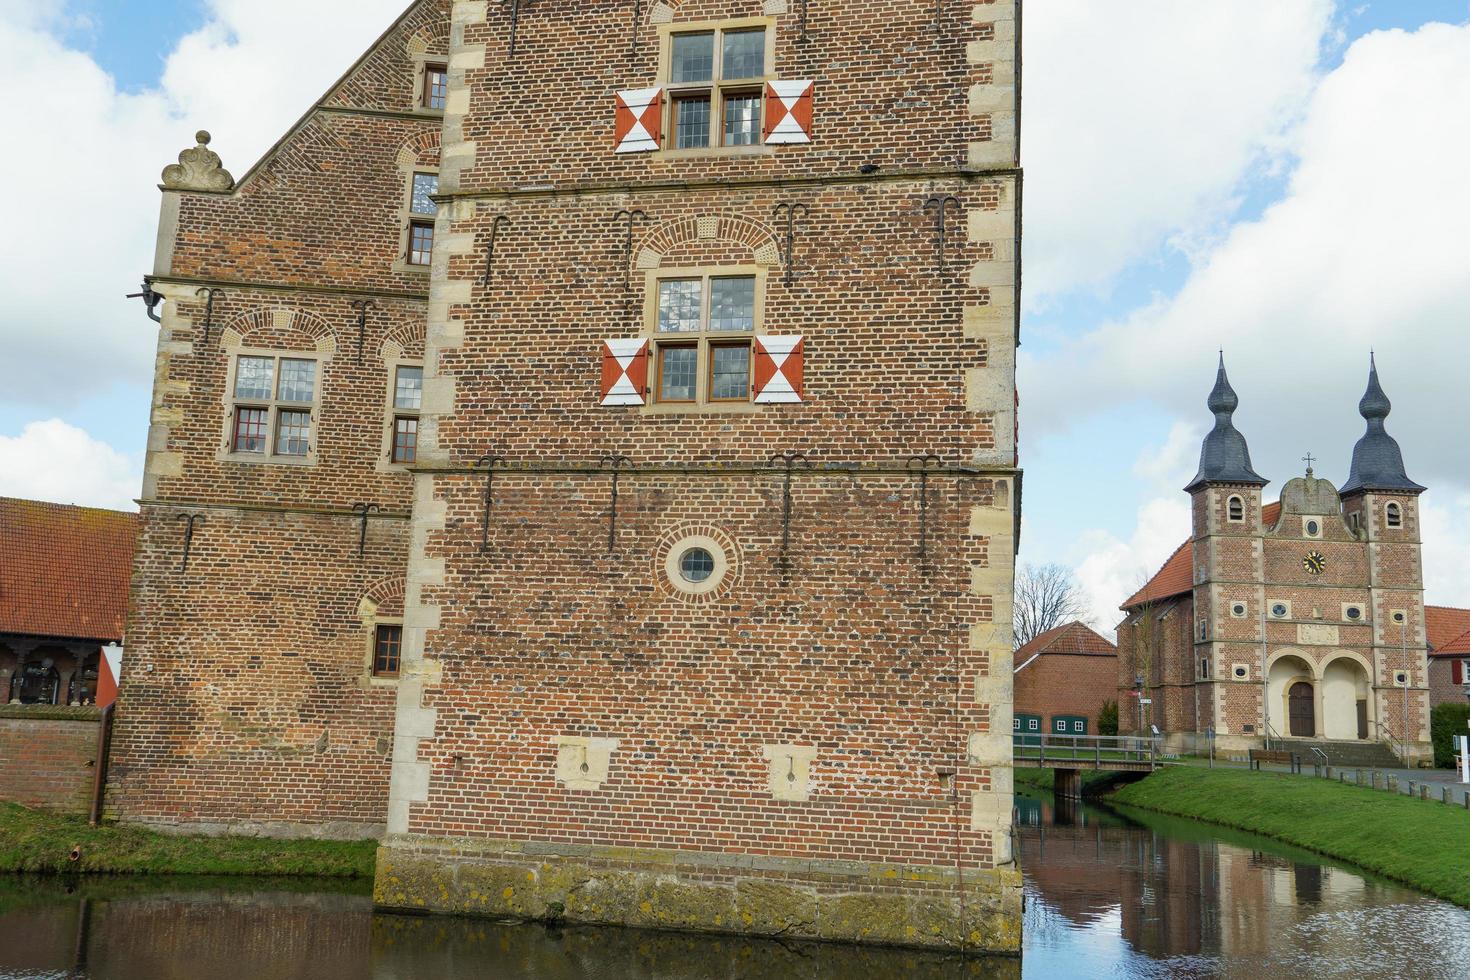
(1356,755)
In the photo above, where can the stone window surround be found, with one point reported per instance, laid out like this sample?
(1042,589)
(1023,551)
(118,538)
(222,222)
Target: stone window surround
(371,621)
(421,63)
(385,462)
(406,218)
(1272,603)
(666,34)
(1390,508)
(226,453)
(700,405)
(676,551)
(1306,531)
(1238,608)
(1231,503)
(1362,613)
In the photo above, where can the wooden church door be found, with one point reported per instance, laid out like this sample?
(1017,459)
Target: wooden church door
(1303,724)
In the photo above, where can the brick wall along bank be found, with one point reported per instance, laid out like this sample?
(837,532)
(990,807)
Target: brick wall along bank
(646,676)
(47,756)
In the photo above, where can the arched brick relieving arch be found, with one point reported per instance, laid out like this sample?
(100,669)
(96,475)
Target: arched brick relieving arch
(276,321)
(384,598)
(404,339)
(724,227)
(420,151)
(430,39)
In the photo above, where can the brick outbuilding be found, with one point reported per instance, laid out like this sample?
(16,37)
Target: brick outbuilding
(1064,676)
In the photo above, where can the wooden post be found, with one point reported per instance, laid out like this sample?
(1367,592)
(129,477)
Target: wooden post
(1375,778)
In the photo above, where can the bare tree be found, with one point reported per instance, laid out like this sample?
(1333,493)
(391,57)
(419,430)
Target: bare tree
(1047,596)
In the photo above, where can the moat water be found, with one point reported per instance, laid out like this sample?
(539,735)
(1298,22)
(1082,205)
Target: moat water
(1107,895)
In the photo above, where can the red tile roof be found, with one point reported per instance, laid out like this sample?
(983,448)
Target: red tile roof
(1177,575)
(1445,628)
(1070,638)
(1458,646)
(64,571)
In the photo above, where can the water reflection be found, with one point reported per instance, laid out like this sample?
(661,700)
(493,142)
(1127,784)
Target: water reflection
(1144,896)
(1108,895)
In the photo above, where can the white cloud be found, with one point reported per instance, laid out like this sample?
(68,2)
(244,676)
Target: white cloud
(1142,118)
(54,461)
(84,204)
(1446,537)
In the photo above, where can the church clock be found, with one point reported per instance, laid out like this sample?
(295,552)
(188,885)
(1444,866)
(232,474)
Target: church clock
(1314,563)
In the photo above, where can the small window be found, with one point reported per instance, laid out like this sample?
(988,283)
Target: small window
(408,398)
(1312,527)
(1033,724)
(1353,613)
(1241,672)
(702,348)
(387,650)
(420,242)
(1399,617)
(271,414)
(1015,724)
(421,201)
(436,86)
(1395,515)
(714,82)
(1204,668)
(1078,726)
(1236,509)
(1280,610)
(1061,724)
(1204,630)
(1237,609)
(696,565)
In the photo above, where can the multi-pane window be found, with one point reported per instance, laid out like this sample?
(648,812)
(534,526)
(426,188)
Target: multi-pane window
(272,405)
(408,397)
(702,339)
(421,211)
(387,650)
(436,86)
(714,87)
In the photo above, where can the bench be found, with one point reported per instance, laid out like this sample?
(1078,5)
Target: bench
(1280,757)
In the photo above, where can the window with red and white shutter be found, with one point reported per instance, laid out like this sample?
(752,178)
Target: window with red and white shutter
(779,370)
(638,120)
(624,371)
(1458,667)
(788,115)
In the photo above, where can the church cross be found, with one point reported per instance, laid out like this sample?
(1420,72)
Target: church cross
(1309,459)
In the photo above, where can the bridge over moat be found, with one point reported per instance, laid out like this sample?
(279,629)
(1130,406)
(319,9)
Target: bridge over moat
(1070,754)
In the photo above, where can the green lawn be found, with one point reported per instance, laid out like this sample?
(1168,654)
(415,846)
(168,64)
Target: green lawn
(32,841)
(1422,844)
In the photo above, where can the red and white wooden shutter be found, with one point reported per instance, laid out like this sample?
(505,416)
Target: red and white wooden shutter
(638,122)
(624,371)
(1459,671)
(788,112)
(778,370)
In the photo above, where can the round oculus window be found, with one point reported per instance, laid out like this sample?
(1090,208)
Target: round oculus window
(696,565)
(1354,612)
(1238,609)
(1313,528)
(1279,610)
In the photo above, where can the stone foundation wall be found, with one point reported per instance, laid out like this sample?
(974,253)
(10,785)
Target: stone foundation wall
(846,901)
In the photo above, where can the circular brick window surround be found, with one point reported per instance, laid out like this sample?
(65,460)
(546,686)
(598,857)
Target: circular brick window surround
(696,563)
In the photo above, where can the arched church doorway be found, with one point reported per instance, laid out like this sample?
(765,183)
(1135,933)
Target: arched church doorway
(1301,721)
(1347,711)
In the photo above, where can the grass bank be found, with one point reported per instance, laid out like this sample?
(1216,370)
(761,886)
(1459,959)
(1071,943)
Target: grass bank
(40,843)
(1422,844)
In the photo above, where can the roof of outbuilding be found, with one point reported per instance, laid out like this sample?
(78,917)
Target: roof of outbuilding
(1070,638)
(65,570)
(1447,629)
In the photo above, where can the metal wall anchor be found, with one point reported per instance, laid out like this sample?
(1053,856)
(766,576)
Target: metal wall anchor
(789,460)
(941,204)
(189,521)
(938,16)
(488,462)
(631,216)
(515,21)
(789,257)
(362,306)
(920,464)
(209,294)
(637,19)
(801,23)
(363,510)
(616,463)
(500,221)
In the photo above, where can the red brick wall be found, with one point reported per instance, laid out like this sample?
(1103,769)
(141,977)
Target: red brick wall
(1063,684)
(47,756)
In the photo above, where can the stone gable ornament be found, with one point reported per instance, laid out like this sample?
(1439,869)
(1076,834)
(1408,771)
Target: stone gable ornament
(198,169)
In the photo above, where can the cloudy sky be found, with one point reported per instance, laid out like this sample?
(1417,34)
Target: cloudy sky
(1285,180)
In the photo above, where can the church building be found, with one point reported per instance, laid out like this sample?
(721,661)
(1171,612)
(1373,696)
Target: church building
(583,456)
(1293,624)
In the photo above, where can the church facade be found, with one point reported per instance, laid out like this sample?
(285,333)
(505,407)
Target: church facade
(1290,624)
(583,455)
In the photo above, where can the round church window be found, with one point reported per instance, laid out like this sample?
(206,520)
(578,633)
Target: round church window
(1279,610)
(1313,528)
(696,565)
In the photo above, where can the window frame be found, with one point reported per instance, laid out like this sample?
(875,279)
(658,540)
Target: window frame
(704,339)
(718,90)
(1393,515)
(391,414)
(372,623)
(1234,503)
(274,407)
(408,219)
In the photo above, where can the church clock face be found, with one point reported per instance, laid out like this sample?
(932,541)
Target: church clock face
(1314,563)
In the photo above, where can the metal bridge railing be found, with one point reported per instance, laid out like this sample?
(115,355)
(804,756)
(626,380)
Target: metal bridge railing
(1098,750)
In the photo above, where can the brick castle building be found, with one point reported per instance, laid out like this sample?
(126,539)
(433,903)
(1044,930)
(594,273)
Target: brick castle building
(583,450)
(1301,621)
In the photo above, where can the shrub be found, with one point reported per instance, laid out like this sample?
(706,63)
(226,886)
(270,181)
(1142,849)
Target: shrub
(1445,722)
(1107,719)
